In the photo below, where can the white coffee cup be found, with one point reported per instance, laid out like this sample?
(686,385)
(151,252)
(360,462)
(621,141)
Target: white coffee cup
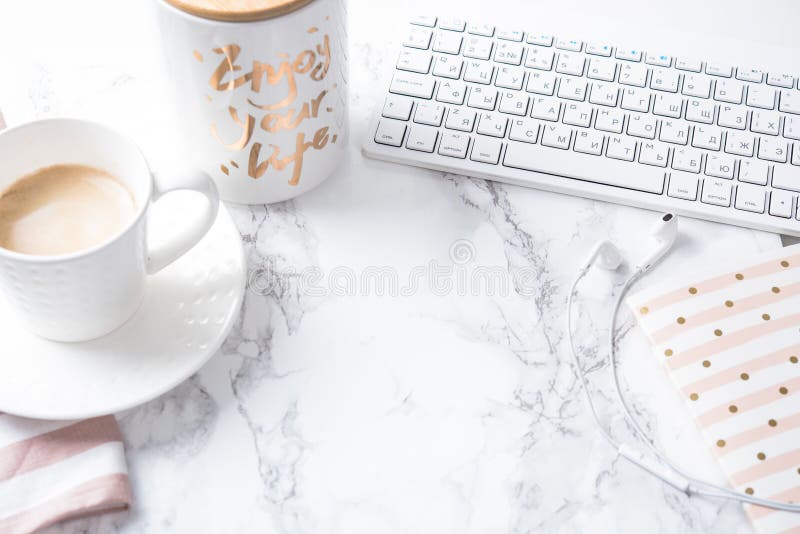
(87,294)
(261,89)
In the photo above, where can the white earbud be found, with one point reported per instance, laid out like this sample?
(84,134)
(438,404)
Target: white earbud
(606,255)
(664,232)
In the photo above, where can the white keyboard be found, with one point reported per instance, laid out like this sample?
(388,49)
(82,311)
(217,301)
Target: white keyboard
(699,138)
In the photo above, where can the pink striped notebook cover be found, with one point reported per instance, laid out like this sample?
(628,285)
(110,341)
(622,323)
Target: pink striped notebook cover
(729,337)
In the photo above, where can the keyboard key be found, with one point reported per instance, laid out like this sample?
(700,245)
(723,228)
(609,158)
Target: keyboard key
(556,136)
(542,83)
(664,80)
(716,191)
(422,138)
(546,108)
(514,103)
(423,20)
(411,84)
(719,69)
(766,122)
(390,132)
(779,79)
(786,177)
(749,74)
(447,42)
(461,119)
(578,114)
(569,44)
(631,74)
(698,110)
(609,120)
(668,105)
(691,65)
(750,198)
(604,94)
(621,147)
(753,171)
(697,85)
(574,165)
(781,203)
(479,72)
(509,34)
(708,137)
(602,69)
(674,131)
(642,126)
(589,142)
(477,47)
(539,58)
(796,154)
(493,124)
(508,53)
(761,97)
(629,54)
(772,149)
(482,97)
(791,127)
(397,107)
(572,88)
(729,91)
(539,39)
(598,49)
(429,113)
(720,166)
(660,60)
(682,185)
(569,63)
(451,92)
(739,143)
(653,154)
(418,38)
(448,67)
(636,99)
(454,145)
(732,116)
(452,23)
(686,159)
(790,102)
(414,61)
(526,130)
(510,78)
(481,29)
(486,150)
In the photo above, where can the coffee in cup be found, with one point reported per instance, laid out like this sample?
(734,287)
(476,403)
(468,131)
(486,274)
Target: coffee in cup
(62,209)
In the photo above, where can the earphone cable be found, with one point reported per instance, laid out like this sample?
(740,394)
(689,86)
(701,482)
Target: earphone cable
(576,360)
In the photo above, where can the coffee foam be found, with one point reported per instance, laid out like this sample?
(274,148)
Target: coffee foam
(63,209)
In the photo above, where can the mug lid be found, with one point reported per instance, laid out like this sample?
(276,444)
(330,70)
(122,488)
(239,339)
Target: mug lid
(238,10)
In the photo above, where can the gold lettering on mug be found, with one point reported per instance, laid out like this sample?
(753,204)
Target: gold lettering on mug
(257,170)
(280,115)
(247,130)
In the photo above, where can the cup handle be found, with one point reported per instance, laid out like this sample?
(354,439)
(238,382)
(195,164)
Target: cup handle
(179,244)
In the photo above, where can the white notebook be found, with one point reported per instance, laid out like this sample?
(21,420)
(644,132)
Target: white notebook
(729,337)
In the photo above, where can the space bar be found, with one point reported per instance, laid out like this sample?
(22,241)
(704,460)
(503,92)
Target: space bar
(584,167)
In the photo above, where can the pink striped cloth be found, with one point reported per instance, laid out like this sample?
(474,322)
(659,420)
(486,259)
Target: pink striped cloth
(729,337)
(56,470)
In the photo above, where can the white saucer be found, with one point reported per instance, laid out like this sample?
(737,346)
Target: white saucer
(188,310)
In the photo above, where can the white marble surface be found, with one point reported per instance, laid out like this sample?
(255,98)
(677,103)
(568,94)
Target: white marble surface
(350,412)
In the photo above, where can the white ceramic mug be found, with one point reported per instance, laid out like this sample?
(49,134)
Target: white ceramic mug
(262,94)
(87,294)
